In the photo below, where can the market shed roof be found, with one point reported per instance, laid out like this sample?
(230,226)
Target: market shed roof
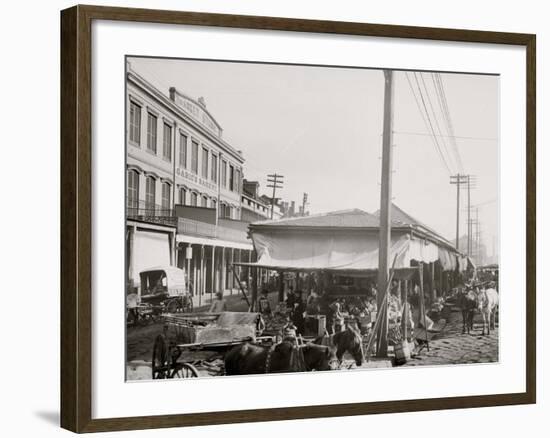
(401,218)
(354,218)
(349,220)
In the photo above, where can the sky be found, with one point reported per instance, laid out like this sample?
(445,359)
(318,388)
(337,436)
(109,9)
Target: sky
(321,127)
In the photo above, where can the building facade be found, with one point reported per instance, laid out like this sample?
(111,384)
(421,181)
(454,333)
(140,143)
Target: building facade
(255,207)
(184,189)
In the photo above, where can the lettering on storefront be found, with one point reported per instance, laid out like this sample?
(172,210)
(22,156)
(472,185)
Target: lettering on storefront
(198,113)
(189,176)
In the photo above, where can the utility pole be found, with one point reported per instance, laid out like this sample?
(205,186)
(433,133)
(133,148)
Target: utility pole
(273,182)
(471,185)
(478,233)
(385,216)
(475,234)
(458,179)
(469,228)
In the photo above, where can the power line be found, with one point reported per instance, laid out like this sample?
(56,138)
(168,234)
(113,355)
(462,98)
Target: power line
(427,122)
(448,117)
(440,91)
(490,201)
(461,137)
(444,143)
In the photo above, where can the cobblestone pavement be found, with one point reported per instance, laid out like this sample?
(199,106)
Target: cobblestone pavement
(451,346)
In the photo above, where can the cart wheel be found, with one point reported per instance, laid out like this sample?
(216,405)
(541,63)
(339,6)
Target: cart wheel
(188,305)
(172,306)
(184,370)
(159,362)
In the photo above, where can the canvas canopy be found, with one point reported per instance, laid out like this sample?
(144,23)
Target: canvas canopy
(336,252)
(447,259)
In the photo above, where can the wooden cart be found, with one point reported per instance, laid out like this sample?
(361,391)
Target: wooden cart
(194,344)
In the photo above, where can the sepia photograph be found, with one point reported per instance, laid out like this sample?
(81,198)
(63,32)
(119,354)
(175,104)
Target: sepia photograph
(285,218)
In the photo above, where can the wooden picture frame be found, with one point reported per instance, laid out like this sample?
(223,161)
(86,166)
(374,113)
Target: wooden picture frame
(76,217)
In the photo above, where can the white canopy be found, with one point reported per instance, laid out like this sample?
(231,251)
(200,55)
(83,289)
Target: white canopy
(336,251)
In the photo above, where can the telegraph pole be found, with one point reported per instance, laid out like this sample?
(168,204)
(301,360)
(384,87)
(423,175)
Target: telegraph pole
(471,180)
(469,227)
(273,182)
(458,179)
(385,216)
(475,234)
(478,232)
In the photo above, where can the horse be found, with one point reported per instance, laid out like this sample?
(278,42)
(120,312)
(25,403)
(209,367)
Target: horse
(468,303)
(284,357)
(487,304)
(349,340)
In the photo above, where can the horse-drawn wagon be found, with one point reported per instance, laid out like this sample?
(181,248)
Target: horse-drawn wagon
(163,289)
(194,344)
(202,344)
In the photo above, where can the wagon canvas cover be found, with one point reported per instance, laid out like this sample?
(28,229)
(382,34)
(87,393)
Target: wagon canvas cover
(228,327)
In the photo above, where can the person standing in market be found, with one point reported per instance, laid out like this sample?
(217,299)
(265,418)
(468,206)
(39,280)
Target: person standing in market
(298,312)
(264,306)
(337,317)
(218,305)
(290,300)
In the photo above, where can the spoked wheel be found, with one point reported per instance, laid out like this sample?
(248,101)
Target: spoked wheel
(184,370)
(159,363)
(172,306)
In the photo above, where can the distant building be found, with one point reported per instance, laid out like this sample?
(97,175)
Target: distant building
(289,210)
(256,207)
(184,189)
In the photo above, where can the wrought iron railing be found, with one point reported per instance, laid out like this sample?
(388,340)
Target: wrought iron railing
(154,213)
(149,212)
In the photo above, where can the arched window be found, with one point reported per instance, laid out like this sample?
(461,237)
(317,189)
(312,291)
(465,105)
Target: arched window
(150,187)
(133,189)
(183,196)
(204,202)
(194,199)
(165,198)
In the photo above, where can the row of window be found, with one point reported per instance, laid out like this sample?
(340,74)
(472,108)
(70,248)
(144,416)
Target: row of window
(255,205)
(150,191)
(209,160)
(186,197)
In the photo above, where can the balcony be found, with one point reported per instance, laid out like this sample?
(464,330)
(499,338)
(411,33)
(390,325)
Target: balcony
(153,213)
(230,230)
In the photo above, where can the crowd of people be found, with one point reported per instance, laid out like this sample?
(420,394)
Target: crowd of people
(298,306)
(299,309)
